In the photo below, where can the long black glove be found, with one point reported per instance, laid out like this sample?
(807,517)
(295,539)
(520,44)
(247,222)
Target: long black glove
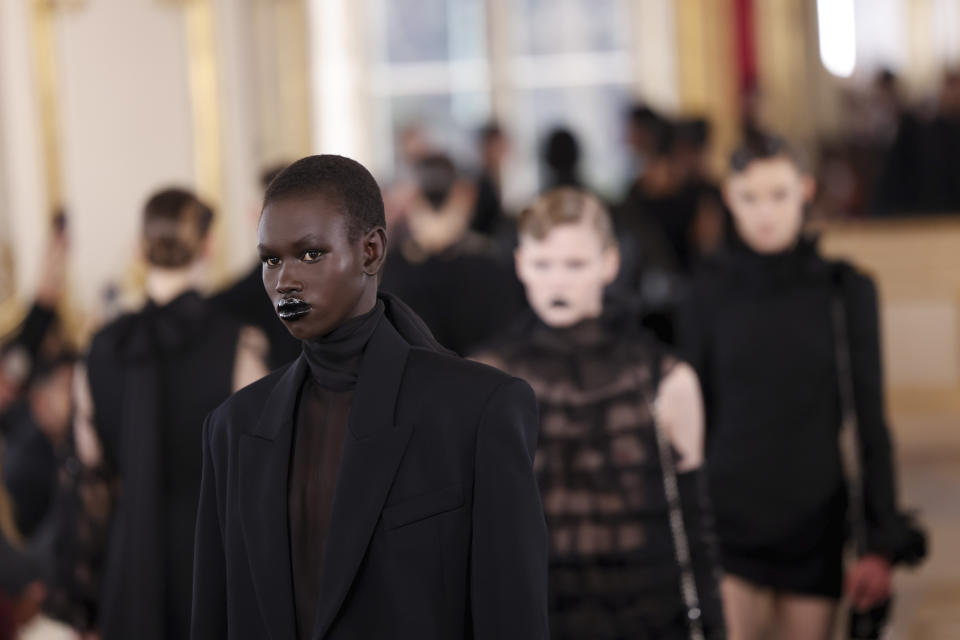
(705,557)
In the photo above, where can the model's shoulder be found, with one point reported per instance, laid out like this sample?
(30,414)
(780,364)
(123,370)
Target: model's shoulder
(435,365)
(249,400)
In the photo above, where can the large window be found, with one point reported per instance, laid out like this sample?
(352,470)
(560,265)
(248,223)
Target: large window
(562,63)
(429,70)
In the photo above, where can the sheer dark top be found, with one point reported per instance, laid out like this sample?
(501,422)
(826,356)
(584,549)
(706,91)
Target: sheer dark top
(613,568)
(323,411)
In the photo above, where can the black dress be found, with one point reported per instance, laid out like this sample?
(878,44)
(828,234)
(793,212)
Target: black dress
(758,329)
(464,294)
(613,567)
(154,375)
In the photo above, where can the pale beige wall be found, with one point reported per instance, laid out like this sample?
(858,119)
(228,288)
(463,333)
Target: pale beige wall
(125,126)
(917,268)
(23,203)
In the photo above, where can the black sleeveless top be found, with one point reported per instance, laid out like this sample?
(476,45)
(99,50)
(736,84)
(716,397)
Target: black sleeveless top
(613,568)
(154,375)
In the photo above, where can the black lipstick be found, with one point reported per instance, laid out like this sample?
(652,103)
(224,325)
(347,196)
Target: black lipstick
(291,309)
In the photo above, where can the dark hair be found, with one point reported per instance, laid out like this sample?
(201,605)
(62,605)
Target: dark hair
(269,172)
(694,132)
(561,151)
(489,132)
(563,206)
(175,224)
(344,180)
(762,146)
(640,115)
(436,174)
(45,368)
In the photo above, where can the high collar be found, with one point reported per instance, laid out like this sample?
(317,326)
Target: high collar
(159,329)
(802,262)
(590,335)
(335,358)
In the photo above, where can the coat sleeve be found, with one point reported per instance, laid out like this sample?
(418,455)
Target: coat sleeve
(886,529)
(209,620)
(508,565)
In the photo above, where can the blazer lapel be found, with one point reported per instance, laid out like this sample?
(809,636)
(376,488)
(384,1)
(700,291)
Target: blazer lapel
(371,455)
(264,466)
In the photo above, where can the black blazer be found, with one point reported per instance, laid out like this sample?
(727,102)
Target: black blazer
(437,528)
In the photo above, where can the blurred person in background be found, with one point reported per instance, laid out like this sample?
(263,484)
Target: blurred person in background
(643,124)
(447,273)
(20,352)
(22,577)
(623,519)
(38,439)
(920,171)
(711,226)
(412,145)
(494,146)
(761,329)
(151,377)
(246,301)
(561,159)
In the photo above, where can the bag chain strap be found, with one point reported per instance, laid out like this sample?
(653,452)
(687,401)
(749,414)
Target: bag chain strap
(678,530)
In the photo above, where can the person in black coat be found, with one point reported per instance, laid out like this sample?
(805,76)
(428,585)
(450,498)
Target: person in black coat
(246,301)
(151,377)
(759,329)
(377,487)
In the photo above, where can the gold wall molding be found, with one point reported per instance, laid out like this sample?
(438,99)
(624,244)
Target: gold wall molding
(707,77)
(282,54)
(204,79)
(43,38)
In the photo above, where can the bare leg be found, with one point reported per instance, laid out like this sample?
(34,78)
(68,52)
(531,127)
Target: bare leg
(805,617)
(748,609)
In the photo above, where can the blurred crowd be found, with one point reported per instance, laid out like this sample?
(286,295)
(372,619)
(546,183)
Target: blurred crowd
(894,157)
(452,248)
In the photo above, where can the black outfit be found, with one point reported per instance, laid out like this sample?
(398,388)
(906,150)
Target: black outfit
(436,529)
(613,565)
(30,466)
(919,170)
(27,343)
(758,329)
(153,376)
(488,211)
(464,294)
(247,301)
(673,214)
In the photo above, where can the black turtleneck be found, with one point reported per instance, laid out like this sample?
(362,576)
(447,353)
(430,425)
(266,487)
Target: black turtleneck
(320,426)
(758,329)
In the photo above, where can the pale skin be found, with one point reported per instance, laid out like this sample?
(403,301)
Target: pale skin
(572,264)
(767,201)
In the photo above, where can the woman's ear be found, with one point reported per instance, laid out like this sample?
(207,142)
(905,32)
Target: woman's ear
(374,251)
(809,188)
(611,264)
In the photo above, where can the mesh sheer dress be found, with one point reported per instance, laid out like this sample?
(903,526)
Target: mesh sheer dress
(614,571)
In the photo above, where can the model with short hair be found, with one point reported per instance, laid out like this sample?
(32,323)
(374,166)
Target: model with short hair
(620,452)
(378,486)
(763,330)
